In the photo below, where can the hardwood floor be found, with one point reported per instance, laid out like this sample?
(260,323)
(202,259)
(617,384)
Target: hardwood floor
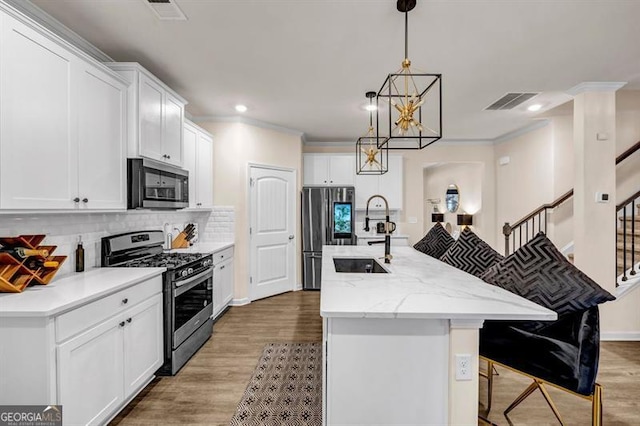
(207,390)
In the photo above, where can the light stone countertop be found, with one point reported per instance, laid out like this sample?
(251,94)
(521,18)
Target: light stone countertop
(418,286)
(67,293)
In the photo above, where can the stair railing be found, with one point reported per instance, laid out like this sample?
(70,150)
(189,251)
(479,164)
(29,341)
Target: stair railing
(627,205)
(518,234)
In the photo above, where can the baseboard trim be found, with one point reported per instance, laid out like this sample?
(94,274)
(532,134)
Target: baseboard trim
(620,336)
(240,302)
(298,287)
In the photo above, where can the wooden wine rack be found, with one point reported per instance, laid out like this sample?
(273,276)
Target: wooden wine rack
(15,276)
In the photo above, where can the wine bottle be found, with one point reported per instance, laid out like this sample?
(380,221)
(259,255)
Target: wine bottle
(79,256)
(37,263)
(21,252)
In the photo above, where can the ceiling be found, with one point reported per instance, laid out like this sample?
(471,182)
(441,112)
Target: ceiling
(306,64)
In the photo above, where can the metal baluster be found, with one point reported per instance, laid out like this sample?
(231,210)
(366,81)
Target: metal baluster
(526,232)
(520,239)
(624,244)
(533,226)
(633,238)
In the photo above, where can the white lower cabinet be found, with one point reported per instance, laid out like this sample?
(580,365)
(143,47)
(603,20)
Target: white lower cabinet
(102,367)
(223,280)
(90,371)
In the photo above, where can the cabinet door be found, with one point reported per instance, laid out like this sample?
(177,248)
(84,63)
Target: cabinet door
(226,270)
(342,170)
(38,144)
(204,169)
(190,140)
(217,290)
(366,186)
(151,98)
(102,138)
(173,125)
(316,169)
(143,352)
(90,374)
(391,183)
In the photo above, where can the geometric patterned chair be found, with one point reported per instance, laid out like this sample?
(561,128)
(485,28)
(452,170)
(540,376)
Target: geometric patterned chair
(562,353)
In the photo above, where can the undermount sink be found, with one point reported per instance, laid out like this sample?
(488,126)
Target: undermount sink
(358,265)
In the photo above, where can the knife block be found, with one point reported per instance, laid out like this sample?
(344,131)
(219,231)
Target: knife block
(15,276)
(180,241)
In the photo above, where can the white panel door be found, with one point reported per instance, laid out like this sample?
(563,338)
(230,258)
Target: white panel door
(204,178)
(151,105)
(143,340)
(101,140)
(342,170)
(173,125)
(316,169)
(38,151)
(190,139)
(90,374)
(391,183)
(273,212)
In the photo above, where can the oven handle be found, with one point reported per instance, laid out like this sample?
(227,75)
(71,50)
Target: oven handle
(186,285)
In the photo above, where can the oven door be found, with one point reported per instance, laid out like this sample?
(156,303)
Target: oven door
(191,305)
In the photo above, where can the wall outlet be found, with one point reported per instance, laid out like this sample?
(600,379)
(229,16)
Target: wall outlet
(602,197)
(463,367)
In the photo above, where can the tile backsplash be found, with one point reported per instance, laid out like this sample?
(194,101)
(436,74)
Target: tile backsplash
(63,229)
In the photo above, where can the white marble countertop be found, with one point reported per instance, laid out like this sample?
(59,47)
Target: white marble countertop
(418,286)
(377,236)
(67,293)
(204,248)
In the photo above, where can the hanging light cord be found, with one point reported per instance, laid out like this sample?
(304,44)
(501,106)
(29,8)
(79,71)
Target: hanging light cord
(406,34)
(370,113)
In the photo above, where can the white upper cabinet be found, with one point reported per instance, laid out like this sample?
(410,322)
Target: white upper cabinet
(198,159)
(329,169)
(389,185)
(156,116)
(61,124)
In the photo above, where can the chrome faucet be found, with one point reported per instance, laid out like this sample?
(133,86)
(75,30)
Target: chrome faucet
(387,234)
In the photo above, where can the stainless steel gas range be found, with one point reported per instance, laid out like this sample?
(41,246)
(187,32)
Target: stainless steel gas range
(187,283)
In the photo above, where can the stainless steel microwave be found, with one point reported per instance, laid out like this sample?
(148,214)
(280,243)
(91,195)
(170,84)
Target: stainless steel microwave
(152,185)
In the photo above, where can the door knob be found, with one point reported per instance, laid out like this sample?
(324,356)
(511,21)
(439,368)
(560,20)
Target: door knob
(291,237)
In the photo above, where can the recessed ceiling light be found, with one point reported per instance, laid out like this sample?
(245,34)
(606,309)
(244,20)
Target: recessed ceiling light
(534,107)
(370,107)
(241,108)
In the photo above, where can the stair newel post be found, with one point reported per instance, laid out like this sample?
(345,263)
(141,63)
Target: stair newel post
(506,230)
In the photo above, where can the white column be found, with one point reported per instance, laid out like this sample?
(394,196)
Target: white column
(594,136)
(464,339)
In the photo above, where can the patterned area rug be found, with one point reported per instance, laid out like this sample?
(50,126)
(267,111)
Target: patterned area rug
(285,389)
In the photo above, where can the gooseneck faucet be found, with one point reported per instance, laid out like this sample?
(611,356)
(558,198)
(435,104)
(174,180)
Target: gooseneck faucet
(387,234)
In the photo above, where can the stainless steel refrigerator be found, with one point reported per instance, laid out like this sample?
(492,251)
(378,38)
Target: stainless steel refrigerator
(328,216)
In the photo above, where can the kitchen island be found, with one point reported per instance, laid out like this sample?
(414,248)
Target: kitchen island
(391,340)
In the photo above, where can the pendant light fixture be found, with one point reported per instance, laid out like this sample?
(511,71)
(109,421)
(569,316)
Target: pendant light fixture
(409,102)
(371,153)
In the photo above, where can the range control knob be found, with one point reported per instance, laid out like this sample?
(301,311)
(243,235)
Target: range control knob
(190,270)
(184,273)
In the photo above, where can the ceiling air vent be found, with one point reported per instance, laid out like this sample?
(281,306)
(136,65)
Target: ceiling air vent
(166,10)
(510,101)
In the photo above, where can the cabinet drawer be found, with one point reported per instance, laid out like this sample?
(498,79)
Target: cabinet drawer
(222,255)
(80,319)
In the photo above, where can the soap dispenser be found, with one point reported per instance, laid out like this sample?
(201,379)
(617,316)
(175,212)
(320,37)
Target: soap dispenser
(80,256)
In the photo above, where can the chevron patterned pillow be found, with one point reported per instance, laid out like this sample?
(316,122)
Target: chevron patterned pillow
(471,254)
(436,242)
(539,272)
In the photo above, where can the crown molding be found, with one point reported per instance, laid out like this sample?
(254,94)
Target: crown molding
(47,21)
(248,121)
(596,86)
(538,124)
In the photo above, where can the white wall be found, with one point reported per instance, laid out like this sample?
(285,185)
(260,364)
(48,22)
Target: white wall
(468,178)
(235,146)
